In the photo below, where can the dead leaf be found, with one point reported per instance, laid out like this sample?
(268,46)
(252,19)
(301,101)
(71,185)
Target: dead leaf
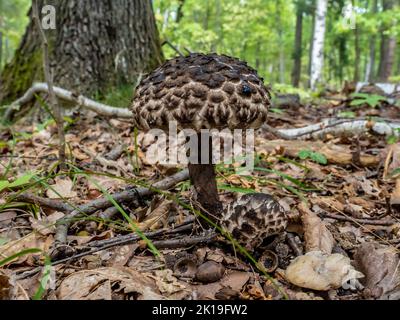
(380,264)
(317,237)
(47,225)
(97,285)
(61,189)
(234,280)
(32,240)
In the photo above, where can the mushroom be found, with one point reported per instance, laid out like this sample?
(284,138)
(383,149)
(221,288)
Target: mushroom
(254,217)
(202,91)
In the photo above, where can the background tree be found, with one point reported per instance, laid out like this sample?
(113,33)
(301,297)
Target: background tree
(297,51)
(96,45)
(317,60)
(388,43)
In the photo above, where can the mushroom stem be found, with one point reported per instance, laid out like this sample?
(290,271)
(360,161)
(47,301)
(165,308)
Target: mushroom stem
(202,177)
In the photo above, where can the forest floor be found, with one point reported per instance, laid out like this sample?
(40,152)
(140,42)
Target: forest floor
(340,193)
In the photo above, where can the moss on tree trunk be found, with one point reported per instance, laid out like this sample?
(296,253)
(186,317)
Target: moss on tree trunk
(97,45)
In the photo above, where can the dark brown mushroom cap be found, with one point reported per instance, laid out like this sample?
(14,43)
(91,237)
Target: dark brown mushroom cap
(201,91)
(253,218)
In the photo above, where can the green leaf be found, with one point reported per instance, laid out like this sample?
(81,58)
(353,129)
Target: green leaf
(357,102)
(347,114)
(21,180)
(395,172)
(319,158)
(304,154)
(392,139)
(315,156)
(4,184)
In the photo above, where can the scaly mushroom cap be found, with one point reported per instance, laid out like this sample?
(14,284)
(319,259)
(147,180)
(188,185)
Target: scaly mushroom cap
(253,218)
(201,91)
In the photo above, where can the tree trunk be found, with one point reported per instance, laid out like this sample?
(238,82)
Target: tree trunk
(317,60)
(388,46)
(357,53)
(297,54)
(1,50)
(312,11)
(97,45)
(370,72)
(281,46)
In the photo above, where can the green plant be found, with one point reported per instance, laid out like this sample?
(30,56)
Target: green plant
(373,100)
(19,182)
(314,156)
(347,114)
(395,172)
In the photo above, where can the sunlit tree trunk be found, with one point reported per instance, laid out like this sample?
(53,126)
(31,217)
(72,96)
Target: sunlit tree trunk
(297,53)
(1,49)
(97,45)
(388,46)
(317,60)
(280,44)
(370,70)
(357,54)
(311,41)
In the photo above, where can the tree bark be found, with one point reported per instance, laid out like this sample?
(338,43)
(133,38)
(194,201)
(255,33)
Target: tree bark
(317,60)
(297,54)
(370,72)
(388,46)
(357,53)
(1,50)
(311,10)
(281,78)
(97,45)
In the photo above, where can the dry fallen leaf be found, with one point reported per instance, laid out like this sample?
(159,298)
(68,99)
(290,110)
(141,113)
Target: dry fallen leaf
(317,237)
(97,285)
(235,280)
(380,264)
(47,225)
(31,241)
(61,189)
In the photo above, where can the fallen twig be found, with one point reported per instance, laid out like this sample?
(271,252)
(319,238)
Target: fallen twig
(101,245)
(183,242)
(44,202)
(335,154)
(337,127)
(359,221)
(68,96)
(332,126)
(129,195)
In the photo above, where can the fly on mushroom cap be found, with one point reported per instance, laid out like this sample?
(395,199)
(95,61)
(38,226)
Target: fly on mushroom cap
(201,91)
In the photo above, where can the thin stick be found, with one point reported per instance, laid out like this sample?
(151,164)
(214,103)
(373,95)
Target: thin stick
(356,220)
(125,196)
(45,202)
(49,79)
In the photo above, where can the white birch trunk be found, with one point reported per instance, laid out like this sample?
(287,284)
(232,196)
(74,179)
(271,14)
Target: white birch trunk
(317,56)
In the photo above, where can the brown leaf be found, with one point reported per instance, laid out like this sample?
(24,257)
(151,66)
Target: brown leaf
(61,189)
(317,237)
(97,285)
(32,240)
(47,225)
(380,264)
(235,280)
